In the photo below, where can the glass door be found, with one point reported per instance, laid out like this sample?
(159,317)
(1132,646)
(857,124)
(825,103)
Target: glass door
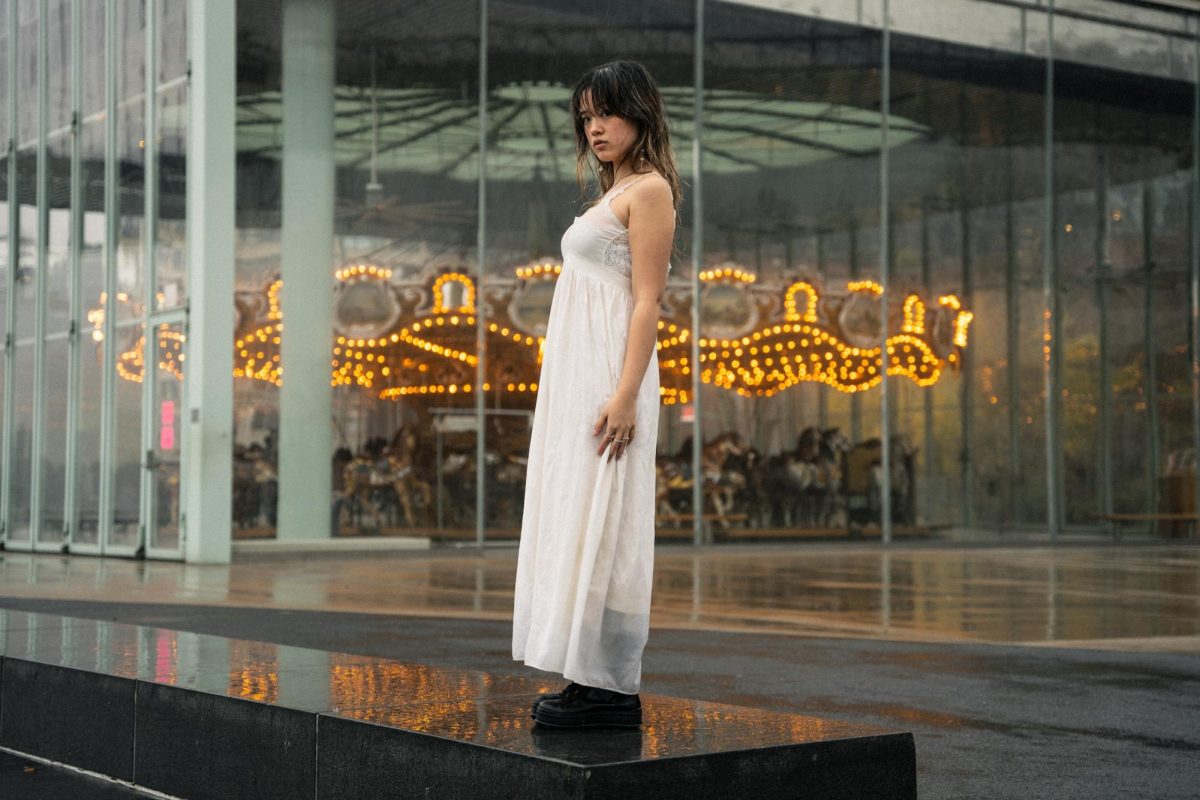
(163,471)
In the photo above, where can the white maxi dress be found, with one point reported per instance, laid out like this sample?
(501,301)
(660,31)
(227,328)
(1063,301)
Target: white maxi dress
(586,559)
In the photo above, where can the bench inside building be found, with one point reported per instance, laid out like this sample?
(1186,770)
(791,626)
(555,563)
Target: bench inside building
(198,716)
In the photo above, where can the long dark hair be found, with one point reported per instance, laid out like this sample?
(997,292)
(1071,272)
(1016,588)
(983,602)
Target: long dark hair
(624,88)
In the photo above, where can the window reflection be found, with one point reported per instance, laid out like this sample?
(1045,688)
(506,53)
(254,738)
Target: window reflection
(790,165)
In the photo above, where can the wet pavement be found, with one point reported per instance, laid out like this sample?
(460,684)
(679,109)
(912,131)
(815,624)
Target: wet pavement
(1068,672)
(22,779)
(1130,597)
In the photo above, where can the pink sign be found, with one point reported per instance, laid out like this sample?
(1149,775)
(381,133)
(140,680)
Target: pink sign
(166,433)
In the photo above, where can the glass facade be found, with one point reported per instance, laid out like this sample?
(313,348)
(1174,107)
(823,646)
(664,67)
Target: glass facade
(94,93)
(940,256)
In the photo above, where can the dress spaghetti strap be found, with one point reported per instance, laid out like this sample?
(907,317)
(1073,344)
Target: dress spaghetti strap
(608,199)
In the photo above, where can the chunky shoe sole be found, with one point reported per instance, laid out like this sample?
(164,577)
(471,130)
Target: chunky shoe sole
(541,698)
(592,719)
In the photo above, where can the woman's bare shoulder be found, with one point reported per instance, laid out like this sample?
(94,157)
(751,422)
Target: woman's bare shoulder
(662,179)
(648,187)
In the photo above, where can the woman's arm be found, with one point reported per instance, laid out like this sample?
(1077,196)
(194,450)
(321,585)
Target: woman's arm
(651,234)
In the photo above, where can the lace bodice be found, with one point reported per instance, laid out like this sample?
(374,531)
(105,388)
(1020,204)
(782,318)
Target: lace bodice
(598,238)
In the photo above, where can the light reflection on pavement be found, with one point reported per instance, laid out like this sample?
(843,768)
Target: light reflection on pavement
(1136,598)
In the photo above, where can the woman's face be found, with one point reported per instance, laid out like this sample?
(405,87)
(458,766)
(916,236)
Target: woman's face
(609,135)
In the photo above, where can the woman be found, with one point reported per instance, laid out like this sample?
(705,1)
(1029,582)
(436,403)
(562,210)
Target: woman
(585,564)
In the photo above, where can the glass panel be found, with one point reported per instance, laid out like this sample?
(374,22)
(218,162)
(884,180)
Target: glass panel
(58,265)
(58,247)
(170,266)
(1124,317)
(1029,480)
(25,279)
(408,164)
(22,445)
(58,75)
(999,27)
(3,426)
(1169,331)
(1118,248)
(1121,36)
(960,191)
(126,458)
(791,188)
(131,132)
(26,78)
(170,352)
(258,254)
(3,278)
(6,41)
(87,434)
(534,194)
(54,442)
(411,211)
(3,241)
(91,340)
(255,458)
(5,44)
(93,59)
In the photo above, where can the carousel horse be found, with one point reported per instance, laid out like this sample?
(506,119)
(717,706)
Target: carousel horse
(668,478)
(830,461)
(865,477)
(786,480)
(721,484)
(458,482)
(411,491)
(359,488)
(749,467)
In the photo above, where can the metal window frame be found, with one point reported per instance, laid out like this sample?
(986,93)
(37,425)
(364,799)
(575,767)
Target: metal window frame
(153,316)
(96,547)
(1194,287)
(885,224)
(112,220)
(698,527)
(37,443)
(70,520)
(14,249)
(1051,316)
(481,251)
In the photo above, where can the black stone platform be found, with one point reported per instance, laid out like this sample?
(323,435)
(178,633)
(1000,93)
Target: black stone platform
(197,716)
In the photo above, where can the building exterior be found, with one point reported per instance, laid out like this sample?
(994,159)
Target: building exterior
(945,254)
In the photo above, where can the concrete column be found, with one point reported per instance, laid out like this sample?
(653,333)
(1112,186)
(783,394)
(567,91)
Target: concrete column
(208,458)
(306,399)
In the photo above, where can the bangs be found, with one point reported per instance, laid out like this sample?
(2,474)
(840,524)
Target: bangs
(601,88)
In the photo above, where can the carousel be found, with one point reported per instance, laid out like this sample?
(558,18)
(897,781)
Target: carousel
(415,340)
(398,339)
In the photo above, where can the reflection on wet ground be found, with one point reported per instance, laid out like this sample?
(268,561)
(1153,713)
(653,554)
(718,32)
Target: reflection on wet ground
(467,705)
(1144,597)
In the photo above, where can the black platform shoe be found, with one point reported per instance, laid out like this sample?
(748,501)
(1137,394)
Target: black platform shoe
(567,691)
(590,707)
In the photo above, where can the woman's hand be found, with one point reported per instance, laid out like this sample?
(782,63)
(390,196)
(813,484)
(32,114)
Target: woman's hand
(618,416)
